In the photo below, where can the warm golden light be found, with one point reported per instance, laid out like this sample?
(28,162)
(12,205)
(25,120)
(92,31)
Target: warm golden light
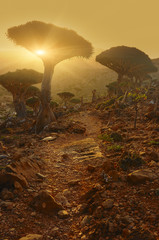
(40,52)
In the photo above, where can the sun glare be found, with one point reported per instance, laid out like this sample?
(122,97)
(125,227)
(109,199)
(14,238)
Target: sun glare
(40,52)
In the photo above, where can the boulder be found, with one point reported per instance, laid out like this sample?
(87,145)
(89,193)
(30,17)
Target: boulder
(141,176)
(8,179)
(45,203)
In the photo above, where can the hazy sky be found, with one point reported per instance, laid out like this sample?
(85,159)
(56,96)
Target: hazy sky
(105,23)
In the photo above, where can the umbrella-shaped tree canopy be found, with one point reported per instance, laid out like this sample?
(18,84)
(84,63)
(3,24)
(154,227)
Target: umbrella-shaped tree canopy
(127,61)
(53,44)
(65,96)
(50,41)
(17,83)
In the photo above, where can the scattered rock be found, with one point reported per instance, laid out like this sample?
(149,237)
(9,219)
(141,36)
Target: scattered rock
(63,214)
(107,204)
(50,138)
(107,166)
(127,219)
(18,186)
(141,234)
(41,176)
(6,194)
(8,179)
(141,176)
(7,205)
(154,156)
(32,237)
(85,151)
(3,157)
(86,220)
(66,192)
(73,183)
(114,175)
(76,128)
(90,168)
(62,199)
(45,203)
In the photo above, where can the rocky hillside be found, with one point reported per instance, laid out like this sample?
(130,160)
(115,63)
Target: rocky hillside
(88,176)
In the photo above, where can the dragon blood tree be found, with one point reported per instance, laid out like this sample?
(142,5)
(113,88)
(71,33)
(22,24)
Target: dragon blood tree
(66,97)
(34,103)
(52,44)
(33,98)
(127,61)
(17,83)
(32,91)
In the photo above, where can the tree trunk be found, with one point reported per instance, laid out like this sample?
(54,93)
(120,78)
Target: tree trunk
(119,91)
(45,115)
(19,106)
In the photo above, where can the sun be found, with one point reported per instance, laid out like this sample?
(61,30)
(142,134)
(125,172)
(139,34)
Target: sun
(40,52)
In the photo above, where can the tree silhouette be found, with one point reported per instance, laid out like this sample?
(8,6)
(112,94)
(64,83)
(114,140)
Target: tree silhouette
(34,103)
(57,44)
(128,61)
(66,97)
(17,83)
(32,91)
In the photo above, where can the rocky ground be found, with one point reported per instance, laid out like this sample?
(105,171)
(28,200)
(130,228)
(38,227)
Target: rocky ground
(90,176)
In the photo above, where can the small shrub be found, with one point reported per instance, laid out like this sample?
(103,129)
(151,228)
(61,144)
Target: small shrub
(116,137)
(105,137)
(153,142)
(130,160)
(115,148)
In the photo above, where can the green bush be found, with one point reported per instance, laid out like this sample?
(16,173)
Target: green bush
(105,137)
(130,160)
(115,148)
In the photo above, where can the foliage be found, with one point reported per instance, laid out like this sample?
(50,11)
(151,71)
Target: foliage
(105,104)
(59,43)
(153,142)
(53,104)
(129,160)
(65,96)
(32,101)
(116,137)
(137,96)
(17,82)
(75,100)
(105,137)
(128,61)
(32,91)
(116,148)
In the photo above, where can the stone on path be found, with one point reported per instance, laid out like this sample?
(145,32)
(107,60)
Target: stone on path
(63,214)
(107,204)
(50,138)
(32,237)
(84,151)
(45,203)
(141,176)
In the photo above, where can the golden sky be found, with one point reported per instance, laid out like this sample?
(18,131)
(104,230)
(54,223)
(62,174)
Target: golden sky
(105,23)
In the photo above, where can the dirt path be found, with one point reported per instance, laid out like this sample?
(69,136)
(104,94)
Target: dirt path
(68,158)
(73,177)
